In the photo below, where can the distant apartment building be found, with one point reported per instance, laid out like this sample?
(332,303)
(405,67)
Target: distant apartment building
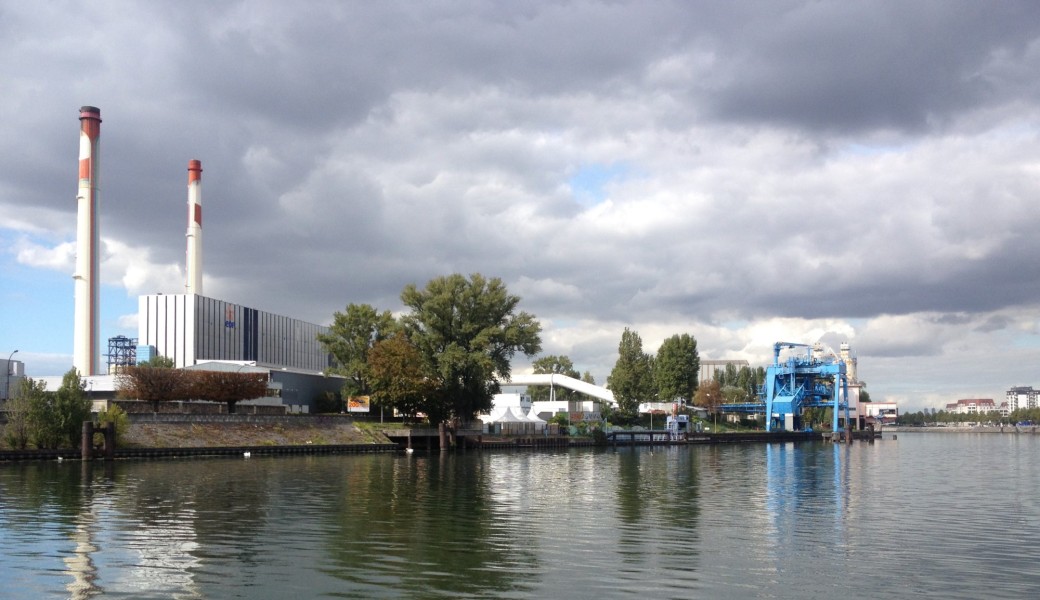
(971,406)
(1022,397)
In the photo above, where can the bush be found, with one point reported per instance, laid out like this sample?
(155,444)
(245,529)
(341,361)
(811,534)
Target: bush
(113,414)
(560,419)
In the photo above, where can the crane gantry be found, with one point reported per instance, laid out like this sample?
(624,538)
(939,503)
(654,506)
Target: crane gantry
(799,382)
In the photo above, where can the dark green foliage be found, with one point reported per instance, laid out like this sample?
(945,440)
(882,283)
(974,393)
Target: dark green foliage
(49,419)
(676,369)
(349,340)
(557,365)
(740,385)
(466,332)
(631,379)
(71,408)
(162,362)
(112,414)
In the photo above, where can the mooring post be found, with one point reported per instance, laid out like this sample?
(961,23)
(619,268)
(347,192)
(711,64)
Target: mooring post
(86,444)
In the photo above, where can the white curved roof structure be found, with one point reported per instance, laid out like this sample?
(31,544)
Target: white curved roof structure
(563,381)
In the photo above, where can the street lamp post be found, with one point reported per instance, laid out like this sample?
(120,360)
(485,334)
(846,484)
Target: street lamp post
(7,384)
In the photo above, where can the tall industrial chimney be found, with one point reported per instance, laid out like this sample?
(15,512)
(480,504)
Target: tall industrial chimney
(193,283)
(85,356)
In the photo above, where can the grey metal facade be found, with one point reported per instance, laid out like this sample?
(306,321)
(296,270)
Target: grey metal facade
(190,328)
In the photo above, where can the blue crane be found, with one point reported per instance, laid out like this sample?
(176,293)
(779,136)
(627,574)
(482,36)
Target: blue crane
(801,381)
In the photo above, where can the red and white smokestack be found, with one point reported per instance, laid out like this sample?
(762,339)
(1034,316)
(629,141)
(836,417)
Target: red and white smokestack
(193,283)
(85,356)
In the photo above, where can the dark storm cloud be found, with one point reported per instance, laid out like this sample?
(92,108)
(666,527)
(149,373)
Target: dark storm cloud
(853,66)
(855,169)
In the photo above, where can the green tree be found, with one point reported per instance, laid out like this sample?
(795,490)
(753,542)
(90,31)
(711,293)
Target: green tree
(162,362)
(467,331)
(350,339)
(555,365)
(398,378)
(19,429)
(42,418)
(631,379)
(118,417)
(676,368)
(71,408)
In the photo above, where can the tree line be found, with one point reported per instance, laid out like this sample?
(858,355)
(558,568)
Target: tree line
(156,381)
(43,419)
(934,417)
(46,419)
(445,357)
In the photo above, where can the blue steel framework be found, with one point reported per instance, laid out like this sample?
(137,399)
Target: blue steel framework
(800,382)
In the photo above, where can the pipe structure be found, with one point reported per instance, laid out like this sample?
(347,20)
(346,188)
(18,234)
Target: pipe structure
(193,283)
(85,354)
(7,384)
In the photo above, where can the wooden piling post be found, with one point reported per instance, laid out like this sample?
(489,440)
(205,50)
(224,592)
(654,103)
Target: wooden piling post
(86,445)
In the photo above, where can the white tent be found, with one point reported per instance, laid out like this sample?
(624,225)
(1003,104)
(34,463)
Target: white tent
(532,417)
(509,423)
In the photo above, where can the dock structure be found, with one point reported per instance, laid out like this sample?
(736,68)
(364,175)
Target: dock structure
(641,437)
(428,440)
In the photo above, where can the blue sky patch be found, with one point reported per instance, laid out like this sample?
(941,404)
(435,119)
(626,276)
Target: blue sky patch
(589,181)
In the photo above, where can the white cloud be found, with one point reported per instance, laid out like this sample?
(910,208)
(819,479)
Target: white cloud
(59,258)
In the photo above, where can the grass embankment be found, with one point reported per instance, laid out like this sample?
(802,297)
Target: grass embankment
(216,435)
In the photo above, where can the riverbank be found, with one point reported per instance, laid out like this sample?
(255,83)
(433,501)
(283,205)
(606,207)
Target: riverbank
(286,432)
(149,436)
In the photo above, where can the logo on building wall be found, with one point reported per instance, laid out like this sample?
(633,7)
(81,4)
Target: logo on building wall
(229,318)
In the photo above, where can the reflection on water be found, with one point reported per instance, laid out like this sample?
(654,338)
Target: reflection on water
(889,519)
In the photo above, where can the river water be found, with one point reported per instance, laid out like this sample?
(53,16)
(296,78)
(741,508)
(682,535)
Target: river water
(928,514)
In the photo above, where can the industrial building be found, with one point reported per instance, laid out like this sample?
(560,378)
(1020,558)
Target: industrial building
(708,368)
(193,330)
(189,329)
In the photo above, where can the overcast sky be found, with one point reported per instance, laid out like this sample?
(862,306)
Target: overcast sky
(743,172)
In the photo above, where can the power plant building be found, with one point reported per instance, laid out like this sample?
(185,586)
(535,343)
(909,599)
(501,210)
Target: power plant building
(190,329)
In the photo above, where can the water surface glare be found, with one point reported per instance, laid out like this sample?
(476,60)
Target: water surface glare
(928,514)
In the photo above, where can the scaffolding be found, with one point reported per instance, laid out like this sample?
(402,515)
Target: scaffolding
(122,353)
